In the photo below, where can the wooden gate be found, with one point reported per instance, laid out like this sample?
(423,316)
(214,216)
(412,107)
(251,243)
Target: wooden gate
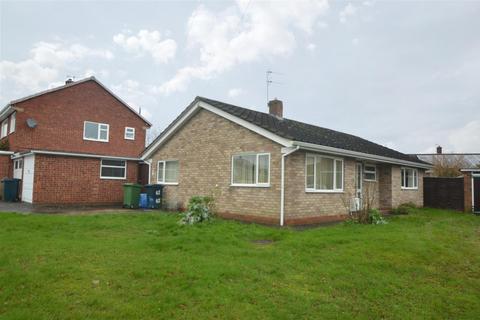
(445,193)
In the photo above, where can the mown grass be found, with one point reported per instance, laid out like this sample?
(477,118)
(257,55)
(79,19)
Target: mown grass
(128,266)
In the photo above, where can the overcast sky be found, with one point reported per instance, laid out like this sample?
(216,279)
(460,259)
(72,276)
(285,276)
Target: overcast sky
(404,74)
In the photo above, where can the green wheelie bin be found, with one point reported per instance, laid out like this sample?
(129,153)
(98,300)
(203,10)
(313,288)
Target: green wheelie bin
(10,189)
(131,195)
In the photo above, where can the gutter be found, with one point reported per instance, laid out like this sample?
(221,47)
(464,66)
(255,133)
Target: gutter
(282,188)
(71,154)
(359,155)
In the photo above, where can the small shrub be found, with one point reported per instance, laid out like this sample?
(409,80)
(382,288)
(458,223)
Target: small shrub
(199,209)
(376,217)
(404,208)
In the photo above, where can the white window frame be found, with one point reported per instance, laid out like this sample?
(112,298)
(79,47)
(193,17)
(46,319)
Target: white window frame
(3,133)
(98,131)
(256,184)
(132,132)
(163,171)
(109,166)
(365,171)
(13,122)
(335,189)
(403,183)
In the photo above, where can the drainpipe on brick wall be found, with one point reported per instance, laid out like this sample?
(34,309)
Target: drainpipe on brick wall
(285,153)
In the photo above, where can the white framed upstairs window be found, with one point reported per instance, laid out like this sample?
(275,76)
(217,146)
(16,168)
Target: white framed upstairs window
(167,172)
(95,131)
(323,174)
(409,178)
(251,170)
(113,169)
(4,129)
(13,122)
(370,172)
(129,133)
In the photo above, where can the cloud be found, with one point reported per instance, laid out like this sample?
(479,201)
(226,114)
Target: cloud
(136,95)
(311,46)
(235,92)
(243,33)
(150,42)
(45,62)
(466,138)
(355,41)
(349,11)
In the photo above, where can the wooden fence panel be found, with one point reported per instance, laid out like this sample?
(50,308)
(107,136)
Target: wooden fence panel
(445,193)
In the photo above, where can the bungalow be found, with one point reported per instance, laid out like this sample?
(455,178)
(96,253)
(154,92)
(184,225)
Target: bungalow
(263,167)
(74,144)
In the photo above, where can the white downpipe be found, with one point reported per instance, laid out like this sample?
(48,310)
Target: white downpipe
(282,187)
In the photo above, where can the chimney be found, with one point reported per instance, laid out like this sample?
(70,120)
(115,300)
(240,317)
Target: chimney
(439,150)
(275,108)
(69,80)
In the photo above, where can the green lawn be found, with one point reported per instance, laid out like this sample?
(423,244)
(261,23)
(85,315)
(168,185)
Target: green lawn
(424,265)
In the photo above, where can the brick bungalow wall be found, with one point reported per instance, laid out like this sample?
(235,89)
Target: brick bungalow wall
(303,207)
(61,114)
(204,147)
(399,195)
(55,175)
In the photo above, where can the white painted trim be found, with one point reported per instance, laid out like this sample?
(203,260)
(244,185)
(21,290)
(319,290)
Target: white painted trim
(149,163)
(6,153)
(358,155)
(315,190)
(125,134)
(415,180)
(98,131)
(12,127)
(368,171)
(256,184)
(109,166)
(72,154)
(473,195)
(285,153)
(200,104)
(164,170)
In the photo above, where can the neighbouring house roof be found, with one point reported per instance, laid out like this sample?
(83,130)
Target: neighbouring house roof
(292,131)
(8,109)
(468,160)
(15,155)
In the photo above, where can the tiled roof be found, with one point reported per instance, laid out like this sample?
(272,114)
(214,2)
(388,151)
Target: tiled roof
(303,132)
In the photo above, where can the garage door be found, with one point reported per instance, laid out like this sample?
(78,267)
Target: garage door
(28,174)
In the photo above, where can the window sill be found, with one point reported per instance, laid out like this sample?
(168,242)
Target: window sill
(251,185)
(409,189)
(86,139)
(113,178)
(368,180)
(324,191)
(168,183)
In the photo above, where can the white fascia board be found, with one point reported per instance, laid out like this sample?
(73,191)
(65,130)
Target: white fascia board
(72,154)
(200,104)
(470,170)
(6,153)
(359,155)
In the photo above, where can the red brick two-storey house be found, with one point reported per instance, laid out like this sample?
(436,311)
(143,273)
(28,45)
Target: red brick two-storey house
(74,144)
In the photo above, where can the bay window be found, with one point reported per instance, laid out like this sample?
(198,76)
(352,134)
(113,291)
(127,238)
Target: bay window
(323,174)
(251,169)
(409,178)
(167,172)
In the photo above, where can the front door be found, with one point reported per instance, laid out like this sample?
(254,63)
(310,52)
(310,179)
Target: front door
(28,175)
(476,194)
(358,186)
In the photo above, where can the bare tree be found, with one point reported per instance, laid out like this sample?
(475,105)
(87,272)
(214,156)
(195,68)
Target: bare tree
(448,165)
